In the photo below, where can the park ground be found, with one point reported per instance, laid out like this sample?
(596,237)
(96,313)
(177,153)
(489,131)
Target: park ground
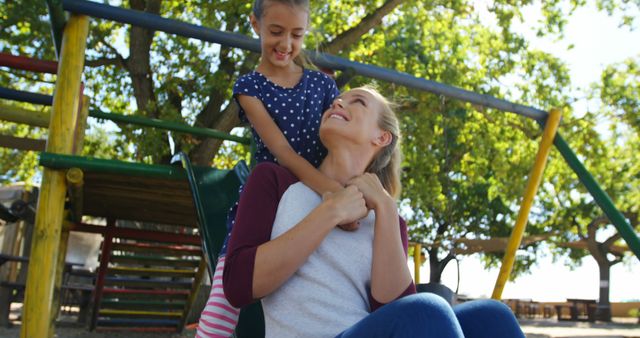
(533,328)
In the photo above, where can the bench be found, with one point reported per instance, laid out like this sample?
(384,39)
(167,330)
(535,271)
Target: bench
(577,310)
(72,292)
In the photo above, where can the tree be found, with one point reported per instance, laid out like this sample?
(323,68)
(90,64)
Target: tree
(580,226)
(607,137)
(458,157)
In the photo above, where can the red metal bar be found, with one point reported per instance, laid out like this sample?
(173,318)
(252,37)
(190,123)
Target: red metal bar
(26,63)
(146,235)
(102,271)
(136,329)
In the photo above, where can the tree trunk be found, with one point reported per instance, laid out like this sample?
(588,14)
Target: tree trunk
(206,150)
(349,37)
(435,273)
(139,59)
(436,267)
(603,310)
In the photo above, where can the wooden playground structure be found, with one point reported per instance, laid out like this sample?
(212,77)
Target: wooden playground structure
(149,278)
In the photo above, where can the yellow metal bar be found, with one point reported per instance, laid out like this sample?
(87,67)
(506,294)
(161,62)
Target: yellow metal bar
(12,113)
(535,177)
(37,308)
(126,270)
(417,262)
(140,313)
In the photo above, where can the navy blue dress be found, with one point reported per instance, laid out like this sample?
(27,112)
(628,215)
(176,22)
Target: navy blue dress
(296,111)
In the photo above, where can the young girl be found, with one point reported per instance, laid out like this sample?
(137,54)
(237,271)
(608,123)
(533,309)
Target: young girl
(283,101)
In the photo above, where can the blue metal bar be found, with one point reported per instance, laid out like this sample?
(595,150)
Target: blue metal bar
(22,96)
(156,22)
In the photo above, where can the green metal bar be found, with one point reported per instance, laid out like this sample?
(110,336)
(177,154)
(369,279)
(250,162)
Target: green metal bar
(173,126)
(59,161)
(601,197)
(58,21)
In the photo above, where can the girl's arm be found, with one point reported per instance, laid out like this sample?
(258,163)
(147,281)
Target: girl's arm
(256,265)
(278,145)
(390,276)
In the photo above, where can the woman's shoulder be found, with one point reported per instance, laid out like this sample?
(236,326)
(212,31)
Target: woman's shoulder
(272,174)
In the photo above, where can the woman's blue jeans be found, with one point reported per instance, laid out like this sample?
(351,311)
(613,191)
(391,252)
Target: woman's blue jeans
(429,316)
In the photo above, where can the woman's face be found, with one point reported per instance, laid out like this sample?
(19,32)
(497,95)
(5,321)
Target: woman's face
(352,117)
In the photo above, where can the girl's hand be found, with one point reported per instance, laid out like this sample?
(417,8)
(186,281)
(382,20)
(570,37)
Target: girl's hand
(374,193)
(348,205)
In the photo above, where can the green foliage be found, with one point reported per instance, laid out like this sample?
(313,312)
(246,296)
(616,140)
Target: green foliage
(619,91)
(18,166)
(465,167)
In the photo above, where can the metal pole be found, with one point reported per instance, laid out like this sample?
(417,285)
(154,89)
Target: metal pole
(22,96)
(19,115)
(42,99)
(44,249)
(158,23)
(60,161)
(26,63)
(600,196)
(167,125)
(417,262)
(535,177)
(58,20)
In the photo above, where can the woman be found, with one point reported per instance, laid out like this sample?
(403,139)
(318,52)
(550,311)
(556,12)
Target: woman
(316,280)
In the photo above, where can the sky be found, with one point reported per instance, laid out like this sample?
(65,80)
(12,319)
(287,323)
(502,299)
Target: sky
(598,42)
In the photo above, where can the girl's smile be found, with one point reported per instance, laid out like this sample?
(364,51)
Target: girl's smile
(281,30)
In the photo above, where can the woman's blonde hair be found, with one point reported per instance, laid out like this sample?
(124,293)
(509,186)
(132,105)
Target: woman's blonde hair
(386,163)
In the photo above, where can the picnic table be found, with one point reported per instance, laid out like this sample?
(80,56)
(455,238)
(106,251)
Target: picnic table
(524,308)
(579,310)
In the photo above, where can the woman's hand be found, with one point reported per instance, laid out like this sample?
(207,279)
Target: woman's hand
(374,193)
(348,205)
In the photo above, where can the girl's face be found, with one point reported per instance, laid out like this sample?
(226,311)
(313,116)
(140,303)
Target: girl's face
(354,117)
(281,30)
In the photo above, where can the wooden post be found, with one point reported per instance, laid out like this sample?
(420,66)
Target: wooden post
(74,178)
(195,288)
(37,308)
(59,275)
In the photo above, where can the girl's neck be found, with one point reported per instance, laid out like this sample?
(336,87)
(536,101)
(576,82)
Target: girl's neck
(282,76)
